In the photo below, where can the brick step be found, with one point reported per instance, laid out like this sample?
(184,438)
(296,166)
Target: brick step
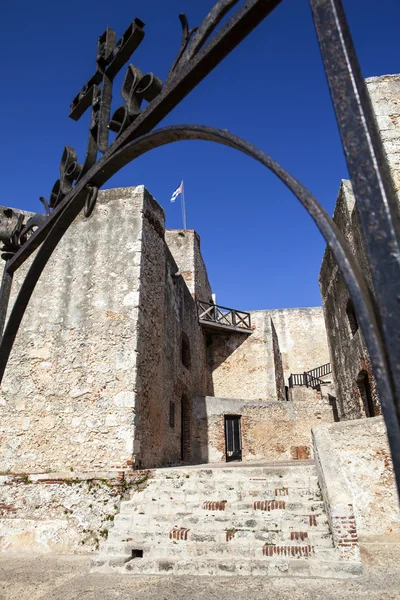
(143,535)
(228,567)
(251,507)
(234,548)
(220,519)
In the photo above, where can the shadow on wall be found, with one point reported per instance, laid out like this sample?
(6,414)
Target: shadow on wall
(219,347)
(200,441)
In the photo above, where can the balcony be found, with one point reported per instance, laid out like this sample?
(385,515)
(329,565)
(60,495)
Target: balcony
(222,319)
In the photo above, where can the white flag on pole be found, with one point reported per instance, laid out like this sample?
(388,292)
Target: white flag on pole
(177,192)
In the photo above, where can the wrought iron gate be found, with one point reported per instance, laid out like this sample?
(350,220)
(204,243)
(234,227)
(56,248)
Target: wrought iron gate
(201,50)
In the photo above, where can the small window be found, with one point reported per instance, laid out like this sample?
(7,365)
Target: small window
(186,360)
(172,414)
(351,317)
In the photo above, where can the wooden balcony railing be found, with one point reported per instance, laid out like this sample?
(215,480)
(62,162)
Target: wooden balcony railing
(219,317)
(310,378)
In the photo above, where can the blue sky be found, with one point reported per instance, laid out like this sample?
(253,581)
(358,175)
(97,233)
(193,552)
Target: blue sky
(261,249)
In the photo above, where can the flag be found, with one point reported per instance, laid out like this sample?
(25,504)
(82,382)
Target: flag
(177,192)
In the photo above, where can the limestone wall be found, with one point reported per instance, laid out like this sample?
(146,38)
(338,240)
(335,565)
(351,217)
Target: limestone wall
(97,369)
(185,248)
(67,398)
(167,315)
(269,430)
(348,352)
(355,466)
(385,93)
(349,355)
(243,366)
(61,512)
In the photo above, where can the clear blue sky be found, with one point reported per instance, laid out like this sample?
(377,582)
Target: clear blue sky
(261,248)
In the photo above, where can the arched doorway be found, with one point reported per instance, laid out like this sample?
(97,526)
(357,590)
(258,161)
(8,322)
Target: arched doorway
(364,387)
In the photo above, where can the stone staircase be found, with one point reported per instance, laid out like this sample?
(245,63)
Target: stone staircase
(225,520)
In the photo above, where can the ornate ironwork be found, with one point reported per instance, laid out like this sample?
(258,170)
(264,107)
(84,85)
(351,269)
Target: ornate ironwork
(201,50)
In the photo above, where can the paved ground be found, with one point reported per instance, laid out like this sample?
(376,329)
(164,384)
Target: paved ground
(68,578)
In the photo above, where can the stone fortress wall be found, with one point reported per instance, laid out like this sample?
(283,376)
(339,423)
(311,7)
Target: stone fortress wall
(355,384)
(244,367)
(97,360)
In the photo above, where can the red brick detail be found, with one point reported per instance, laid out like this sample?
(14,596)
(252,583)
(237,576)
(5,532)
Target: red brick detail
(298,535)
(269,505)
(345,533)
(178,533)
(230,534)
(300,452)
(54,481)
(281,491)
(7,508)
(292,551)
(312,520)
(208,505)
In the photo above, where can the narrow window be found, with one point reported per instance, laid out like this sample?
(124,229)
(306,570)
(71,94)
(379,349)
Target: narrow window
(172,414)
(351,317)
(186,360)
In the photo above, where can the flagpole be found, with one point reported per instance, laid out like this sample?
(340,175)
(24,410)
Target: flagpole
(183,206)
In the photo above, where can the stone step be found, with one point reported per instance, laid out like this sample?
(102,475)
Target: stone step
(234,548)
(306,481)
(242,495)
(237,473)
(220,520)
(228,567)
(251,507)
(143,535)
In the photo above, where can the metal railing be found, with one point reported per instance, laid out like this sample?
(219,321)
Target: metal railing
(310,378)
(219,316)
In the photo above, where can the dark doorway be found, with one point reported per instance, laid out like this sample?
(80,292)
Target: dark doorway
(185,429)
(233,441)
(366,395)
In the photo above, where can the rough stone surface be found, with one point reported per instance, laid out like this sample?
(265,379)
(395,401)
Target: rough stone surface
(348,352)
(243,366)
(232,519)
(269,430)
(76,351)
(98,359)
(185,248)
(349,356)
(67,577)
(355,469)
(385,95)
(60,512)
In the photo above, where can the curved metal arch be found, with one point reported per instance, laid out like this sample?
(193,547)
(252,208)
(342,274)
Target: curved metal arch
(348,266)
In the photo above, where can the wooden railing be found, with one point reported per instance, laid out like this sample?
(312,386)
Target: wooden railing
(223,318)
(310,378)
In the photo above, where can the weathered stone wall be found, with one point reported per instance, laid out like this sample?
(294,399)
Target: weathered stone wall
(60,512)
(269,430)
(355,467)
(67,398)
(349,356)
(98,359)
(185,248)
(168,319)
(243,366)
(385,95)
